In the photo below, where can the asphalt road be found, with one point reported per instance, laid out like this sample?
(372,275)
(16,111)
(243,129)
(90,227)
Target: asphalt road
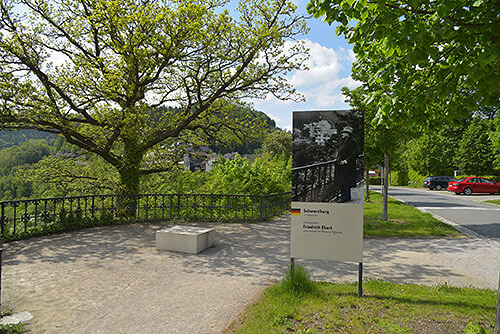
(466,211)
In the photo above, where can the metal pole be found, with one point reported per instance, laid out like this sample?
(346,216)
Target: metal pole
(360,280)
(292,266)
(261,218)
(1,253)
(497,319)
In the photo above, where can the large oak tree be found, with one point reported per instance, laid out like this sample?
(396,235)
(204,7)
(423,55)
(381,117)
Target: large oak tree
(98,71)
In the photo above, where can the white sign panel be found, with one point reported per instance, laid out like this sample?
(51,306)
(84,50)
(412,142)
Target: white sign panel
(327,231)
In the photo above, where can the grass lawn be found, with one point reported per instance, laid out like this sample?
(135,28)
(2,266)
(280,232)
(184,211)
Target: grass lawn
(495,201)
(404,221)
(385,308)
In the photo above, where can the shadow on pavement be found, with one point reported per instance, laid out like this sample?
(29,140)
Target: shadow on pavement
(115,274)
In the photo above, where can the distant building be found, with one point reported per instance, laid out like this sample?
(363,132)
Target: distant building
(320,131)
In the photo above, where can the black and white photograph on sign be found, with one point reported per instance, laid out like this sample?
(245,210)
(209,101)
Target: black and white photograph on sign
(328,156)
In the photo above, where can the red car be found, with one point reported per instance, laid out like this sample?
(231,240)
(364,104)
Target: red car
(471,185)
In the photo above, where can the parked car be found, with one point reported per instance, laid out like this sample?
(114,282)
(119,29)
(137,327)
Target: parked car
(437,182)
(471,185)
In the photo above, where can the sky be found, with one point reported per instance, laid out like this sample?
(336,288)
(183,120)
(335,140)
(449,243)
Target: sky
(329,70)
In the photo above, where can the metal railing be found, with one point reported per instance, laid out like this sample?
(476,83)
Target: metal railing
(314,182)
(24,218)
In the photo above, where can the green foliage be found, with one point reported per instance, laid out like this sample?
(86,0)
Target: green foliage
(17,160)
(263,176)
(377,138)
(70,175)
(13,329)
(297,282)
(27,153)
(495,141)
(415,179)
(16,138)
(424,63)
(375,181)
(399,178)
(123,60)
(472,328)
(266,175)
(278,143)
(433,153)
(64,222)
(476,153)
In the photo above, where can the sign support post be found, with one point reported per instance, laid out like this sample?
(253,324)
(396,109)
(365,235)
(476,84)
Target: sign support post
(360,280)
(497,319)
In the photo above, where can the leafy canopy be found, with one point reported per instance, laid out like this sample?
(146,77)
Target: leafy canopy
(423,61)
(96,71)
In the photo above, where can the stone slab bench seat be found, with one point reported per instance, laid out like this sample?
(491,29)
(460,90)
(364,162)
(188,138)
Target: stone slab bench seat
(185,239)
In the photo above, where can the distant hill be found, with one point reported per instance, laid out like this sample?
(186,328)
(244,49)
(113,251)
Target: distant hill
(16,138)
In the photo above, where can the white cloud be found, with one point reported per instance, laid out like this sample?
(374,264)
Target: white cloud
(329,71)
(323,64)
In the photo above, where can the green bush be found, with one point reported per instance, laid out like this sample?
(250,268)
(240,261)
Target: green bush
(415,179)
(399,178)
(474,329)
(266,175)
(375,181)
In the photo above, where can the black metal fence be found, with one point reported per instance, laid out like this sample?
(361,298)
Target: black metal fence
(314,183)
(24,218)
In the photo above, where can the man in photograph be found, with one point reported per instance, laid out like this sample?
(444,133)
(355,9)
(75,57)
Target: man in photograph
(345,168)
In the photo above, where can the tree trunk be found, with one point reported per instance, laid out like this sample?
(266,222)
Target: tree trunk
(367,182)
(386,183)
(129,178)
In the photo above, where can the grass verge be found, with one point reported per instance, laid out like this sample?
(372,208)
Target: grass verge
(385,308)
(404,221)
(495,201)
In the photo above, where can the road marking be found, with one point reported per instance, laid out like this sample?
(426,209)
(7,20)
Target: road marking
(456,208)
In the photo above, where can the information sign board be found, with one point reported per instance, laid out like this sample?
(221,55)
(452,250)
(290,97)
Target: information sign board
(327,185)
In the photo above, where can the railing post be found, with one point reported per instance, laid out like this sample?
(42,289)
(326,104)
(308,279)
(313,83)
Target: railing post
(261,208)
(178,205)
(1,254)
(2,219)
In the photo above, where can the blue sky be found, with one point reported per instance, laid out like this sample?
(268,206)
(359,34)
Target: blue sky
(329,70)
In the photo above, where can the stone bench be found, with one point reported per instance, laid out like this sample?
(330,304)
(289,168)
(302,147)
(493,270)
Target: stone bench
(185,239)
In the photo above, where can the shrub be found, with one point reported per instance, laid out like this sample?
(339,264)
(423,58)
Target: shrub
(399,178)
(375,181)
(474,329)
(415,179)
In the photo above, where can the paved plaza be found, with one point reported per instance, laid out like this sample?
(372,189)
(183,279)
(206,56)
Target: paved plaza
(113,280)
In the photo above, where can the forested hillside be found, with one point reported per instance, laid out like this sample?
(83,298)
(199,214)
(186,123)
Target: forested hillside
(16,138)
(35,164)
